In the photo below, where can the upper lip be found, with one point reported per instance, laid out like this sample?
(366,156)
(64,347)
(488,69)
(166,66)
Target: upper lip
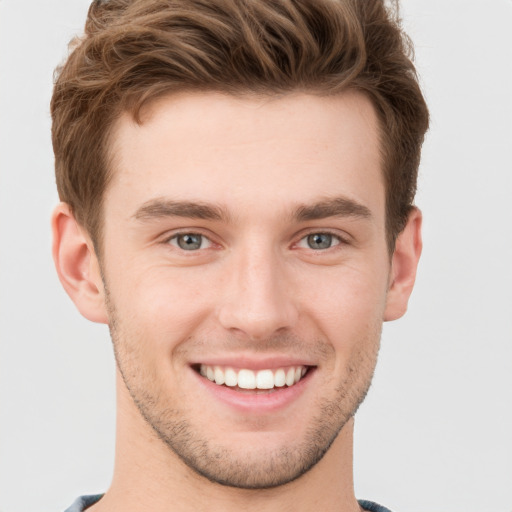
(254,363)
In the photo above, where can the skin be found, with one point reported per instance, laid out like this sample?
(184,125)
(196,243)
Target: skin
(266,173)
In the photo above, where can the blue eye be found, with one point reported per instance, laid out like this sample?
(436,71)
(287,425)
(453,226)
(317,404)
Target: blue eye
(319,241)
(190,241)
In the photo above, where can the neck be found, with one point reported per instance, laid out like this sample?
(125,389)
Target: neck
(149,476)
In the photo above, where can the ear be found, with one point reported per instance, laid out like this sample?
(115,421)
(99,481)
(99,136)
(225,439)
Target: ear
(403,267)
(77,265)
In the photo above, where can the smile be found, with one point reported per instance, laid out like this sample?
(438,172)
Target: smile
(249,379)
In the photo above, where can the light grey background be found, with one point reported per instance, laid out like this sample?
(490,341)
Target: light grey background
(435,433)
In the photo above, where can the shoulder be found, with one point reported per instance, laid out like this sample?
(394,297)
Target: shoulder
(370,506)
(83,502)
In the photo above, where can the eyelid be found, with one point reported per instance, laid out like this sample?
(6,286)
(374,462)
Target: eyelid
(342,240)
(170,235)
(206,243)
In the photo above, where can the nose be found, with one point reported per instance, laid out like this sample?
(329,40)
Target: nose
(258,296)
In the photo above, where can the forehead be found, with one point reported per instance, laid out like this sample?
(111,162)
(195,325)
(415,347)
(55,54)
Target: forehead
(239,151)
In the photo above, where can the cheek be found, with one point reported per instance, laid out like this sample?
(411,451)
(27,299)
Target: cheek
(160,306)
(348,309)
(345,294)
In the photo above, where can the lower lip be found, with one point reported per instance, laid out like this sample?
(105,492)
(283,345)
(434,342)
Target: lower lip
(257,402)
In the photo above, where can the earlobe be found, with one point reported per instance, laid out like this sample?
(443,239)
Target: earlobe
(403,267)
(77,265)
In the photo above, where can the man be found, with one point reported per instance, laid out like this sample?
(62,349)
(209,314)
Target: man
(237,183)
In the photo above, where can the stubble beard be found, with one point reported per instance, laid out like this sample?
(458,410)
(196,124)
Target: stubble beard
(221,464)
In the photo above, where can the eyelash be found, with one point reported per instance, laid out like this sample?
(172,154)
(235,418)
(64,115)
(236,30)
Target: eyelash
(176,236)
(336,237)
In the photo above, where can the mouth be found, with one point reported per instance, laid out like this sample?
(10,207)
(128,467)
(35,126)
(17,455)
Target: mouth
(245,380)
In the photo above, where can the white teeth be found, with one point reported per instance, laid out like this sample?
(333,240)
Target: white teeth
(265,379)
(290,377)
(219,375)
(246,379)
(280,378)
(249,379)
(231,377)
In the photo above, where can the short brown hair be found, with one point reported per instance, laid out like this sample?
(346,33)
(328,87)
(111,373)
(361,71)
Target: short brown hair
(135,51)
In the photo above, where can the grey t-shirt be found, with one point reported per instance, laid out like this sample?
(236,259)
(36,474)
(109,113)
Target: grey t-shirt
(86,501)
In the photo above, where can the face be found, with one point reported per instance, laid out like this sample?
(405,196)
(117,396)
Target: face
(246,275)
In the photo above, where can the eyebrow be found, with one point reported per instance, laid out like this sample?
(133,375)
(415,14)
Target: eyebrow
(335,207)
(160,208)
